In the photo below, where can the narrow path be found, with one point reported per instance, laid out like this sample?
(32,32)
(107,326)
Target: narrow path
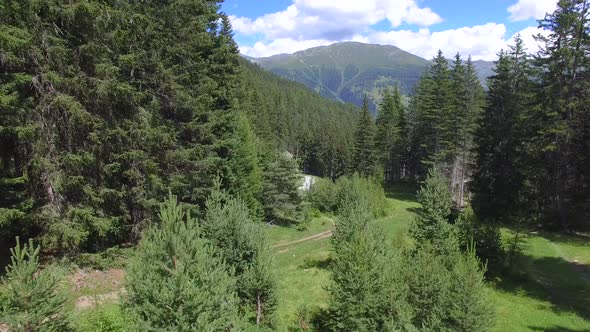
(317,236)
(582,269)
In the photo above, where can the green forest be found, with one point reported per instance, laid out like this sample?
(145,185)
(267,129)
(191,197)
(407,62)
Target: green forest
(151,179)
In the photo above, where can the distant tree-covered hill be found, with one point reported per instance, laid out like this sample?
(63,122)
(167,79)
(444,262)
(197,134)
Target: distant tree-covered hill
(349,70)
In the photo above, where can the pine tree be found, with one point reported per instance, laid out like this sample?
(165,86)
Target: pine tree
(176,280)
(467,106)
(432,222)
(470,308)
(359,273)
(434,121)
(364,156)
(242,245)
(30,298)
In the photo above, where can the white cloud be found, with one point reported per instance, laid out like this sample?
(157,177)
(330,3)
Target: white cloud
(281,45)
(527,36)
(310,23)
(481,41)
(329,19)
(525,9)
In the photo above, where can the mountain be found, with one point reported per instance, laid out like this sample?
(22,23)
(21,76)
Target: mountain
(349,70)
(485,69)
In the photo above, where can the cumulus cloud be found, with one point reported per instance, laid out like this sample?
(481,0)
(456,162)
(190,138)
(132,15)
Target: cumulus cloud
(310,23)
(328,19)
(528,37)
(481,42)
(525,9)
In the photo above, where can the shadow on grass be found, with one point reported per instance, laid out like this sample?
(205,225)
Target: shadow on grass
(564,284)
(556,329)
(317,263)
(571,239)
(401,192)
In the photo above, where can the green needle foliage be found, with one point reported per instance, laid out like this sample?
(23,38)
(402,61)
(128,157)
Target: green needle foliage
(30,298)
(432,223)
(241,242)
(364,162)
(176,282)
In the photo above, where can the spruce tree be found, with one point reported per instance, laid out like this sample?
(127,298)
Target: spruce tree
(433,129)
(364,159)
(559,144)
(280,193)
(387,135)
(358,301)
(30,298)
(501,138)
(470,308)
(177,282)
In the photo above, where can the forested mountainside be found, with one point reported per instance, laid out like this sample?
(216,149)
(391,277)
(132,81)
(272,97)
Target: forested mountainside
(316,130)
(347,71)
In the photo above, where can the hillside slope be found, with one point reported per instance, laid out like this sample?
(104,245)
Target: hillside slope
(349,70)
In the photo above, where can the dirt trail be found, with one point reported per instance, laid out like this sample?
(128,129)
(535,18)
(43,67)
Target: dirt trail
(316,237)
(582,269)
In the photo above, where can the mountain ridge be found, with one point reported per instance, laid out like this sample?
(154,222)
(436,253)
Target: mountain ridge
(347,71)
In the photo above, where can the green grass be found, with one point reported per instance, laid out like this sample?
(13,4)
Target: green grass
(546,292)
(549,290)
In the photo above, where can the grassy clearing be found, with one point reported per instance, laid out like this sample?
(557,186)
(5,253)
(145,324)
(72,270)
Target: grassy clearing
(548,291)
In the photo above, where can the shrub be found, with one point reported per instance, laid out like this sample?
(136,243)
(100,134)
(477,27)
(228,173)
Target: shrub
(323,195)
(484,235)
(30,299)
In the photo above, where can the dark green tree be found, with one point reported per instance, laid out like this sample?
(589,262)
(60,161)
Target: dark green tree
(501,164)
(280,193)
(364,159)
(559,144)
(387,133)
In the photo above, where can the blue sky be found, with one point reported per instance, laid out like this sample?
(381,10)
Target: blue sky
(479,28)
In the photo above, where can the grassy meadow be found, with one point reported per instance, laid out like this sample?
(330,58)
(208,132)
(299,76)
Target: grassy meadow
(548,290)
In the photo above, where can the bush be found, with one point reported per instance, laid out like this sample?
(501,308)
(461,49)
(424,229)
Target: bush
(104,318)
(484,235)
(323,195)
(327,196)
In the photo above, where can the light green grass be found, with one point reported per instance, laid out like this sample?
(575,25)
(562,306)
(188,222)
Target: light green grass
(547,292)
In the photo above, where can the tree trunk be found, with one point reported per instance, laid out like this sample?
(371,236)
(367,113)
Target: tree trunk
(258,309)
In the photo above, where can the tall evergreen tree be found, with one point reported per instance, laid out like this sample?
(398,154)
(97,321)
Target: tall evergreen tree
(280,193)
(433,129)
(560,141)
(364,159)
(467,106)
(498,178)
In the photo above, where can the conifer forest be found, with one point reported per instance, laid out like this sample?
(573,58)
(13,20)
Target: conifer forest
(152,178)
